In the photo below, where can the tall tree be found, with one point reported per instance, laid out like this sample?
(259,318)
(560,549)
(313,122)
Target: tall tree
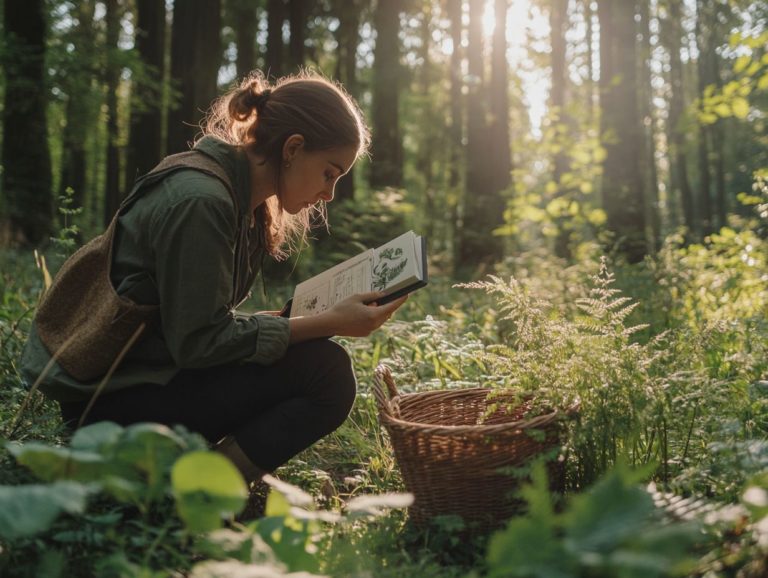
(498,91)
(80,104)
(648,155)
(146,149)
(275,46)
(558,19)
(387,148)
(245,20)
(703,37)
(348,38)
(112,74)
(26,175)
(622,186)
(297,18)
(672,32)
(456,83)
(483,206)
(195,59)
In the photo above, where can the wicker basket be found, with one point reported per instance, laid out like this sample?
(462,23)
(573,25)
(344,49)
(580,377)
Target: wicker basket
(450,461)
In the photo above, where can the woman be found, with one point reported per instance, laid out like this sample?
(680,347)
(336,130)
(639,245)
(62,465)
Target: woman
(263,386)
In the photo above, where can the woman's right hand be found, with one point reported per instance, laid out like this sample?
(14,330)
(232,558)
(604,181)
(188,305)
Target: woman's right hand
(355,316)
(359,315)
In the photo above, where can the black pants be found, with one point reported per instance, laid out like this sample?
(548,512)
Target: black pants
(274,411)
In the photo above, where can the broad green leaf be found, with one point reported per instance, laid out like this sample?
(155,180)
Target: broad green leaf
(31,509)
(206,487)
(152,449)
(529,549)
(611,511)
(55,463)
(96,437)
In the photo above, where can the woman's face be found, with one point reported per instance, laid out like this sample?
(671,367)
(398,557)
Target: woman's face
(312,176)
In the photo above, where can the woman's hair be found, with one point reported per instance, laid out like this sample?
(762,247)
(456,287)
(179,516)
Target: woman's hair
(262,115)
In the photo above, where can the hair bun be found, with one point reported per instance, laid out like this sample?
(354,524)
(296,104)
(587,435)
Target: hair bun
(259,101)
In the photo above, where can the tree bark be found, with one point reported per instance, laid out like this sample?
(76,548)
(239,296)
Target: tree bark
(195,60)
(387,146)
(112,190)
(275,45)
(79,117)
(145,149)
(500,152)
(558,18)
(457,118)
(703,36)
(483,206)
(297,17)
(245,21)
(348,38)
(648,156)
(622,186)
(26,175)
(680,181)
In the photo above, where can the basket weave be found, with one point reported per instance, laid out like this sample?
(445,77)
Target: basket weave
(450,456)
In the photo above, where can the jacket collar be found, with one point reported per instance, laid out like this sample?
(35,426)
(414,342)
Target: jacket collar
(234,161)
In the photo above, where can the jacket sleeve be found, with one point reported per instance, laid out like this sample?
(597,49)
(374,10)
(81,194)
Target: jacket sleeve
(194,246)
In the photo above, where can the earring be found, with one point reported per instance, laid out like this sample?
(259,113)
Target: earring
(287,165)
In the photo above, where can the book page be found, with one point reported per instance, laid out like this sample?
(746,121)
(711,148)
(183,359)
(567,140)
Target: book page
(331,286)
(397,264)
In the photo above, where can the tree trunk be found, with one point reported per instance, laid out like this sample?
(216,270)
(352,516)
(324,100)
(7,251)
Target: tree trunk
(112,190)
(275,45)
(79,117)
(348,38)
(145,149)
(245,22)
(195,60)
(297,17)
(500,150)
(387,147)
(622,187)
(457,117)
(558,18)
(26,161)
(680,182)
(703,36)
(483,206)
(648,156)
(589,17)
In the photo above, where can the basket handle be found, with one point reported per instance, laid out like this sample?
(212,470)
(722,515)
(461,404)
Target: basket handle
(382,377)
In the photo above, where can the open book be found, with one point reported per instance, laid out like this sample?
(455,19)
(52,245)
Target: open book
(397,268)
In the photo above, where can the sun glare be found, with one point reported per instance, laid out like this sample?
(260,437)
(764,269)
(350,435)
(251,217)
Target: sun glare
(489,19)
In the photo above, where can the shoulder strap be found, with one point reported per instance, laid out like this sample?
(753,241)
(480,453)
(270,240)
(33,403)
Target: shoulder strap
(193,159)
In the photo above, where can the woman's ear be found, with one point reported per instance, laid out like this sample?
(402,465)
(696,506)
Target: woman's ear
(293,144)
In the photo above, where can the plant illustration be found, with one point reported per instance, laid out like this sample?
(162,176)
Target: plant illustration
(391,263)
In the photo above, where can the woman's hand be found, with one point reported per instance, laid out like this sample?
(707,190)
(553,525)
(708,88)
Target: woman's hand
(359,315)
(355,316)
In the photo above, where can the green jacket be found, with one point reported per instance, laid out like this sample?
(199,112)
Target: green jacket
(175,246)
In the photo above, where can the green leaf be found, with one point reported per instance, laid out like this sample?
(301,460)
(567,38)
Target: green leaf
(31,509)
(152,449)
(96,437)
(612,510)
(740,107)
(53,463)
(206,487)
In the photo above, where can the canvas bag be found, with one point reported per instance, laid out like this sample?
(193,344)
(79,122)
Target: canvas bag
(82,309)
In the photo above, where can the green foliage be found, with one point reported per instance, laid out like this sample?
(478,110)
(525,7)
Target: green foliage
(66,241)
(611,530)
